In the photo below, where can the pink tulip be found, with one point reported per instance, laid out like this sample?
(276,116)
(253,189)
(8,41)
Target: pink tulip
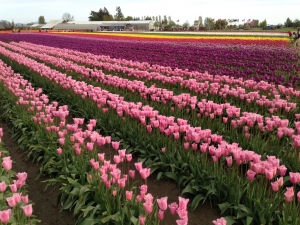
(104,178)
(2,186)
(289,194)
(142,220)
(13,188)
(294,177)
(251,174)
(183,203)
(11,201)
(181,222)
(298,196)
(101,157)
(220,221)
(117,159)
(5,215)
(122,153)
(7,163)
(275,186)
(128,157)
(145,173)
(229,161)
(114,192)
(90,146)
(61,141)
(131,174)
(115,145)
(121,183)
(59,151)
(163,150)
(160,214)
(144,188)
(17,197)
(162,203)
(148,207)
(138,198)
(108,139)
(129,195)
(24,199)
(22,176)
(173,207)
(138,166)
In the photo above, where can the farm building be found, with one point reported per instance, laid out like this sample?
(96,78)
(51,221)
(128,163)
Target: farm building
(120,25)
(77,27)
(52,23)
(36,26)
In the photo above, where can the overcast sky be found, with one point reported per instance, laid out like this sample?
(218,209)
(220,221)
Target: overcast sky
(274,11)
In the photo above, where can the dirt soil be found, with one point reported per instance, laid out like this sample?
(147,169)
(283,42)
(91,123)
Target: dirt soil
(45,205)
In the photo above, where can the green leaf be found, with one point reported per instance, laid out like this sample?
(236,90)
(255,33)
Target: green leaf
(196,201)
(224,206)
(86,211)
(83,189)
(249,220)
(68,204)
(89,221)
(171,176)
(75,191)
(134,220)
(159,175)
(229,220)
(73,182)
(188,189)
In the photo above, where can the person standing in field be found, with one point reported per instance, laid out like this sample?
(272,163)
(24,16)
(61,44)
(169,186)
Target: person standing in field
(290,33)
(296,40)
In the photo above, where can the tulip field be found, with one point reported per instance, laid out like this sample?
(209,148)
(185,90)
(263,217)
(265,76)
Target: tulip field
(217,115)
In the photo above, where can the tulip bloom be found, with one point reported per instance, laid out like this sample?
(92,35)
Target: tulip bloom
(2,186)
(289,194)
(5,215)
(162,203)
(220,221)
(129,195)
(142,220)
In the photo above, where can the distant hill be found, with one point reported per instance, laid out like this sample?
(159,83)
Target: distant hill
(19,24)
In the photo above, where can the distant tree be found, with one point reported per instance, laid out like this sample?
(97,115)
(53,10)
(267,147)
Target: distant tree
(153,18)
(159,19)
(128,18)
(165,21)
(208,23)
(12,24)
(200,21)
(255,23)
(148,18)
(156,19)
(288,22)
(263,24)
(67,17)
(119,15)
(220,24)
(186,25)
(101,15)
(296,23)
(42,20)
